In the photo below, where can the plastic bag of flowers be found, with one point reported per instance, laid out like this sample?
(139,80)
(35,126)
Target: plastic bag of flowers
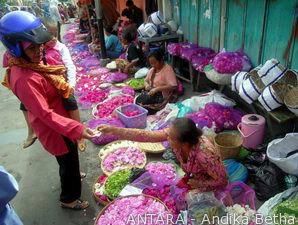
(231,62)
(203,207)
(104,138)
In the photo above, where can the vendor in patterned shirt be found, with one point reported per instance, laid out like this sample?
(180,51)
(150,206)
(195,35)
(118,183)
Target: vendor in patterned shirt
(203,167)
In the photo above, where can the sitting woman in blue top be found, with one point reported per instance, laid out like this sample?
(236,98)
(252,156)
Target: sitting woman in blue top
(8,190)
(113,44)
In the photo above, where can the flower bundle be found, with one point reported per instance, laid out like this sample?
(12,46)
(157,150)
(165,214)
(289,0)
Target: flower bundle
(122,158)
(116,182)
(116,77)
(104,138)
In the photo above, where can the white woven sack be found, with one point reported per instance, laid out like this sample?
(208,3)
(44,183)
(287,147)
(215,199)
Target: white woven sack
(278,149)
(141,30)
(271,72)
(248,91)
(269,99)
(150,30)
(219,78)
(237,80)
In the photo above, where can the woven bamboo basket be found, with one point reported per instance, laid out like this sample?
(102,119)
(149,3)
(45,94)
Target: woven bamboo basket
(218,78)
(256,79)
(97,199)
(124,167)
(111,203)
(228,144)
(284,84)
(152,147)
(291,99)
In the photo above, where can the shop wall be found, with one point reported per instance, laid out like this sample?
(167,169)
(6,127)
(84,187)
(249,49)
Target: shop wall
(263,28)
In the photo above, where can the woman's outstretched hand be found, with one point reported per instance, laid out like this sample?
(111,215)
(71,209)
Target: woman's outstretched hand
(105,129)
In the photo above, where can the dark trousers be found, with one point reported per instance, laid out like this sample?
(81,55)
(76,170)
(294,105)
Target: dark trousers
(69,170)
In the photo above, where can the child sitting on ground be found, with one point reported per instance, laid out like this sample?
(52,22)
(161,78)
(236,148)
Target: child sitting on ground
(113,44)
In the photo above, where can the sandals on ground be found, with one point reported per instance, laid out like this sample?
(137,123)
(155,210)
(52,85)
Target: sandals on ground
(79,205)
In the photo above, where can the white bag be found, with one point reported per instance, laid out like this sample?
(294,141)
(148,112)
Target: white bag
(197,103)
(271,71)
(112,65)
(268,206)
(269,99)
(141,73)
(278,149)
(248,91)
(237,80)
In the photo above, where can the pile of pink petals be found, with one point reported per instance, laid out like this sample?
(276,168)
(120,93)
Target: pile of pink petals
(164,194)
(162,174)
(131,113)
(122,158)
(231,62)
(92,97)
(131,209)
(217,116)
(106,108)
(86,84)
(104,138)
(116,77)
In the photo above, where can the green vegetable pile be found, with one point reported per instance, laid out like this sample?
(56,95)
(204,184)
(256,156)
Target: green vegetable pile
(137,83)
(116,182)
(288,208)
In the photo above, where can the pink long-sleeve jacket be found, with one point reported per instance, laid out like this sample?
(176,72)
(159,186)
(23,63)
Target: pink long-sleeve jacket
(48,118)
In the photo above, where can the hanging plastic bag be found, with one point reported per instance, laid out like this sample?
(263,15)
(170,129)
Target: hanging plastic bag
(202,206)
(284,153)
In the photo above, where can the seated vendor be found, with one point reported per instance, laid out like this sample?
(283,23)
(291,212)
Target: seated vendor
(134,55)
(160,82)
(94,46)
(203,167)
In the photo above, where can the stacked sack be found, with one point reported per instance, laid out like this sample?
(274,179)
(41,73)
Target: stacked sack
(268,84)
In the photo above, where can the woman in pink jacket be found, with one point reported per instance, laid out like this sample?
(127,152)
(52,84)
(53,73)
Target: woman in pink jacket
(41,89)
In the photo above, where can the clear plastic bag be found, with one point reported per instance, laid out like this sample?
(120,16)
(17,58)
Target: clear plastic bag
(202,207)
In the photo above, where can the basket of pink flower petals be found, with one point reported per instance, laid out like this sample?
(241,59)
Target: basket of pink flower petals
(127,210)
(132,115)
(121,158)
